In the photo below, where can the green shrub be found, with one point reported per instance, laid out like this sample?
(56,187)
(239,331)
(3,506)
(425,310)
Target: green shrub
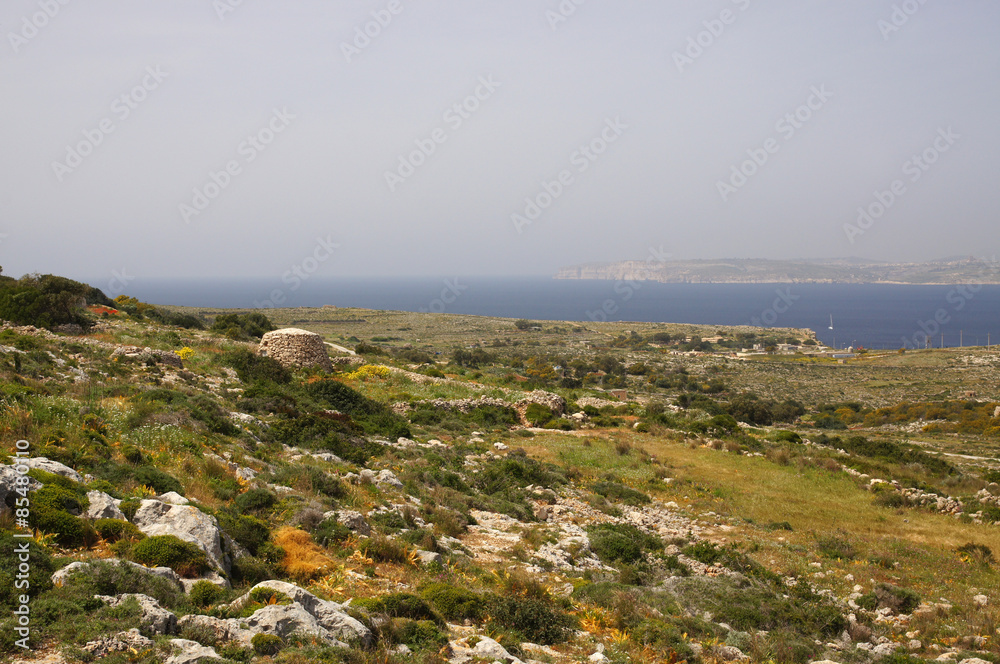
(185,558)
(266,644)
(900,600)
(836,547)
(251,570)
(205,594)
(40,569)
(375,418)
(704,552)
(418,634)
(401,605)
(621,493)
(455,603)
(112,530)
(104,578)
(129,507)
(248,531)
(330,532)
(242,327)
(257,501)
(538,415)
(385,550)
(531,619)
(157,480)
(252,368)
(50,513)
(620,543)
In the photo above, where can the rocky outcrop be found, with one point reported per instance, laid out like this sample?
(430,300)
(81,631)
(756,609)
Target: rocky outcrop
(553,402)
(157,619)
(190,524)
(295,348)
(60,577)
(9,482)
(148,355)
(329,615)
(120,642)
(102,506)
(190,652)
(49,466)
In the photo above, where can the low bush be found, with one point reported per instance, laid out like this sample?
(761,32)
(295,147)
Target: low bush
(248,531)
(266,645)
(252,368)
(385,550)
(39,573)
(330,532)
(185,558)
(534,620)
(256,501)
(401,605)
(112,530)
(621,543)
(205,594)
(455,603)
(418,634)
(621,493)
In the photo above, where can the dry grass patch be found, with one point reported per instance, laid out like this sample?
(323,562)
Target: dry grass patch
(304,559)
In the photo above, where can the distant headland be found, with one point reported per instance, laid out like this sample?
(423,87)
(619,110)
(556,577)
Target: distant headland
(951,271)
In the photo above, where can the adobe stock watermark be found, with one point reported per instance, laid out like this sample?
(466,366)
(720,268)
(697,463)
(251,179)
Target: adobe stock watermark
(365,34)
(22,573)
(301,272)
(625,289)
(782,304)
(118,282)
(250,148)
(580,161)
(714,29)
(455,117)
(913,168)
(225,7)
(449,295)
(956,300)
(787,127)
(121,108)
(900,16)
(33,24)
(562,13)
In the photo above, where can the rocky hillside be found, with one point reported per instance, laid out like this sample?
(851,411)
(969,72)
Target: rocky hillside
(180,497)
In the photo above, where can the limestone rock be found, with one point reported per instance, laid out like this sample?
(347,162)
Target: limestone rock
(730,653)
(293,347)
(186,522)
(428,557)
(154,616)
(149,355)
(102,506)
(486,648)
(60,576)
(173,498)
(120,642)
(49,466)
(353,520)
(9,482)
(329,615)
(190,652)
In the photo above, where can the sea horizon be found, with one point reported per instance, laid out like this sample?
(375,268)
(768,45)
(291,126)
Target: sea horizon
(876,316)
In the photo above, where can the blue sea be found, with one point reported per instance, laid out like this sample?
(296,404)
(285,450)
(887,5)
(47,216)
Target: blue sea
(869,315)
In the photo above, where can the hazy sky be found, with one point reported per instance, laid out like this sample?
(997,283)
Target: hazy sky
(229,137)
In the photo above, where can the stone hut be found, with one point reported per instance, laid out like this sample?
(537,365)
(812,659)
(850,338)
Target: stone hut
(295,348)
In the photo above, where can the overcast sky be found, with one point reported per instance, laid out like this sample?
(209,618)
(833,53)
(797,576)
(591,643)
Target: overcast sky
(199,138)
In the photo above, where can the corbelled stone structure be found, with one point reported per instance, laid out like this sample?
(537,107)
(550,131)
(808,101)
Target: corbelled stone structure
(293,347)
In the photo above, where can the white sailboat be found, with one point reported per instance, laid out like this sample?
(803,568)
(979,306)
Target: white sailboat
(831,321)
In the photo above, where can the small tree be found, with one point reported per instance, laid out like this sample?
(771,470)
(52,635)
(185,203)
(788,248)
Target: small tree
(523,324)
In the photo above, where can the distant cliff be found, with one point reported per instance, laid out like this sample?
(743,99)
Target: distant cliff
(760,271)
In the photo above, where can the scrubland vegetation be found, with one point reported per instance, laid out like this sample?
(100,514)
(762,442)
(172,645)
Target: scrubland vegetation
(719,506)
